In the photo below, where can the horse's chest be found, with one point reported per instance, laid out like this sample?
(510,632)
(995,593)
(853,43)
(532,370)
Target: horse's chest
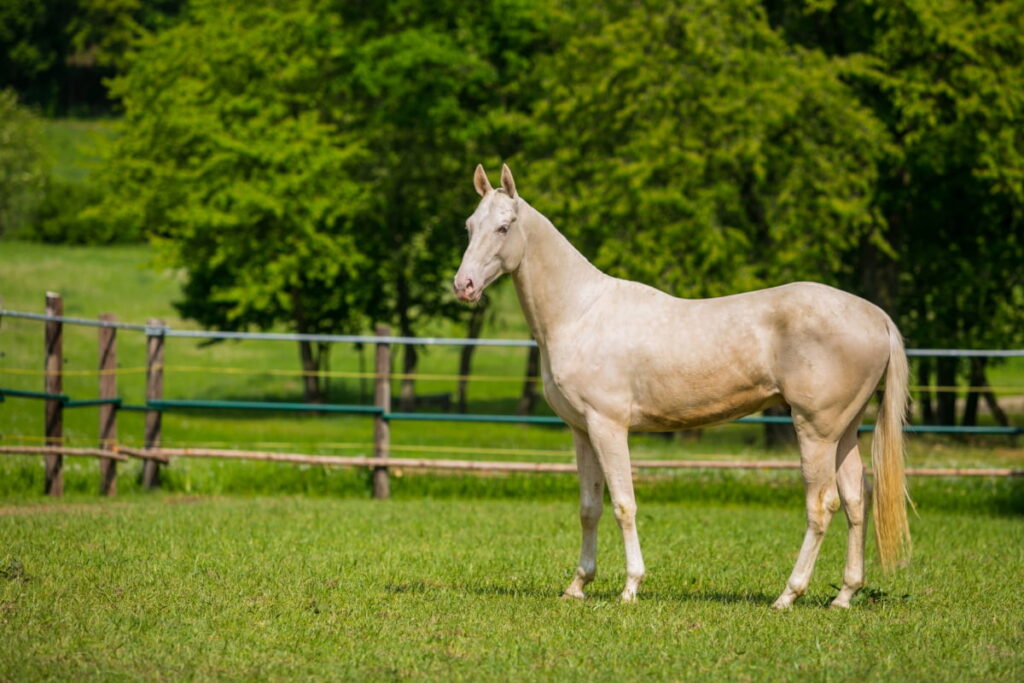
(561,394)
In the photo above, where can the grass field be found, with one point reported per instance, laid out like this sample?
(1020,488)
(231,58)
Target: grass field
(285,588)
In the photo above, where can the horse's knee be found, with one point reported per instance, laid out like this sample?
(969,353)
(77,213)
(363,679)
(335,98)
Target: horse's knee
(821,506)
(590,513)
(856,509)
(625,511)
(830,499)
(818,518)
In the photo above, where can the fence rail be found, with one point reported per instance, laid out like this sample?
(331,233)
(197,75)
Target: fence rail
(153,454)
(167,331)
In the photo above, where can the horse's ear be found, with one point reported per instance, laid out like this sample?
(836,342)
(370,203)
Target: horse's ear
(507,182)
(480,181)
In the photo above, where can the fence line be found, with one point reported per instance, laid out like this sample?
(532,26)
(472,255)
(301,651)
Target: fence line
(167,331)
(397,376)
(154,453)
(164,455)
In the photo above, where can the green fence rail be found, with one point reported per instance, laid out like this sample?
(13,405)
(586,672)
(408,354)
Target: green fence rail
(164,405)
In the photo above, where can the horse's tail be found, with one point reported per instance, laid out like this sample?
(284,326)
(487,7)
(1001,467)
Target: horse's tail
(892,532)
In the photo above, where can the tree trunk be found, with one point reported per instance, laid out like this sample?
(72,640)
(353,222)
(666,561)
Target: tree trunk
(407,392)
(312,390)
(946,378)
(778,435)
(476,325)
(976,381)
(924,396)
(993,407)
(528,399)
(313,356)
(407,388)
(361,350)
(979,385)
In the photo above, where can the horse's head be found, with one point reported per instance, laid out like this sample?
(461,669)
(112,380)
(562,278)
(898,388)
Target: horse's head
(496,239)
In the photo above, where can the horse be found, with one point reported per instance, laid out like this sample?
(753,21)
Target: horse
(619,356)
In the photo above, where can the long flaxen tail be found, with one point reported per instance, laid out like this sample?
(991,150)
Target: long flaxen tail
(892,532)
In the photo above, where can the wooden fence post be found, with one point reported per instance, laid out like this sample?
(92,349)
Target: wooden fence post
(108,411)
(154,392)
(54,384)
(381,428)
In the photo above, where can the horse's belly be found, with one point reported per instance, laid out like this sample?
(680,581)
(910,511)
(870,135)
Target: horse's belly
(666,413)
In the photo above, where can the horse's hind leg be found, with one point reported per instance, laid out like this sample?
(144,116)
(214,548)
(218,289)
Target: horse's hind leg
(818,465)
(591,504)
(855,497)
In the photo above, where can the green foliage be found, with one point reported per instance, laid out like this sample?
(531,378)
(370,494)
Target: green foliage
(691,148)
(434,90)
(21,163)
(56,53)
(952,81)
(226,159)
(67,214)
(704,147)
(306,163)
(946,78)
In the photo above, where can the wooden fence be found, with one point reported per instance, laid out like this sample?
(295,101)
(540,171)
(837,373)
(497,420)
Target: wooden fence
(153,455)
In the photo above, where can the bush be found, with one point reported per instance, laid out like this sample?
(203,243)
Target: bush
(21,163)
(67,214)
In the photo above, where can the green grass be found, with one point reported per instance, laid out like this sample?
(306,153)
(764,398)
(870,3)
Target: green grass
(284,588)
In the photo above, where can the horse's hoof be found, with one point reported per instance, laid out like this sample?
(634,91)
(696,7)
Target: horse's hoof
(839,604)
(571,594)
(782,603)
(628,598)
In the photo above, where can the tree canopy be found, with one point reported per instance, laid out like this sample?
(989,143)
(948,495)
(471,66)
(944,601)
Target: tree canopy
(691,148)
(308,162)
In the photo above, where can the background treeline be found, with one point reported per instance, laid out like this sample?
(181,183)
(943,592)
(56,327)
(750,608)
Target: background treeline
(307,162)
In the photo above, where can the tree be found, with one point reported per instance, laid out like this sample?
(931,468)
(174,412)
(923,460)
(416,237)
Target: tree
(22,171)
(56,53)
(691,148)
(237,162)
(946,80)
(307,162)
(436,88)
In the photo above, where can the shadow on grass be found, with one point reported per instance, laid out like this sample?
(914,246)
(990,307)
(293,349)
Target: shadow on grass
(496,589)
(721,597)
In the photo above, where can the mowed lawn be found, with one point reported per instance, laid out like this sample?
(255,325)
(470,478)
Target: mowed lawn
(171,587)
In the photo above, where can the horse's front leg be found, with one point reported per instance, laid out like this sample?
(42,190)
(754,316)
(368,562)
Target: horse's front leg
(611,444)
(591,505)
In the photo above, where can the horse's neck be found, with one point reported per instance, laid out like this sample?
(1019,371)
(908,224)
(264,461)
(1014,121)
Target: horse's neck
(555,282)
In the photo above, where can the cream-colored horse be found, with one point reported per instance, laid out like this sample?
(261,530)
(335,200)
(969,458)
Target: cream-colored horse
(619,356)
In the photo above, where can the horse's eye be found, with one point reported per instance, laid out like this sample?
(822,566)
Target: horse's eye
(503,229)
